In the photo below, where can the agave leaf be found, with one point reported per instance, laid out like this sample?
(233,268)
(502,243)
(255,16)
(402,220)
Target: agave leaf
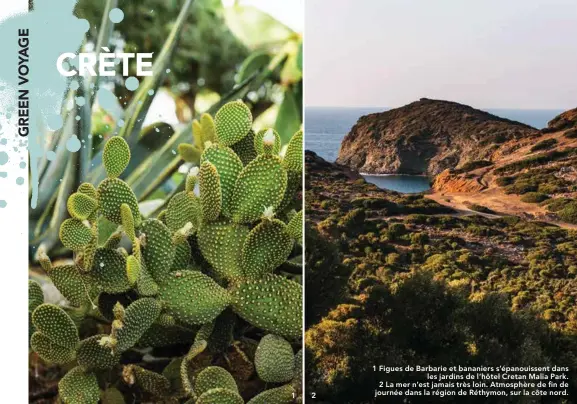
(288,120)
(140,103)
(254,28)
(106,26)
(50,238)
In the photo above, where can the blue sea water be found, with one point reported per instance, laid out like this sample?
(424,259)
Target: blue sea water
(325,128)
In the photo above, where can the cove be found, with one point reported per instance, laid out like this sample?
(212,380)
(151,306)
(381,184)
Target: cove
(405,184)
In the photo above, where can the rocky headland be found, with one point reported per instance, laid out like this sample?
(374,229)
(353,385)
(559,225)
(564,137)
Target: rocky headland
(476,161)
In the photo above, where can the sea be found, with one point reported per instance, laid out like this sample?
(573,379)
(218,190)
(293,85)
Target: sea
(325,128)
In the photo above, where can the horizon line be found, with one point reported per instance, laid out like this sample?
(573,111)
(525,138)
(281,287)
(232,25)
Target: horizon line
(481,108)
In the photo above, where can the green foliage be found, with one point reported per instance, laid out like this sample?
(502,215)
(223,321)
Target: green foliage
(267,246)
(278,395)
(569,212)
(274,359)
(213,377)
(79,387)
(210,192)
(570,134)
(81,206)
(210,299)
(233,122)
(260,185)
(138,317)
(92,354)
(116,156)
(150,382)
(544,145)
(272,303)
(112,194)
(473,165)
(534,197)
(35,295)
(182,278)
(219,396)
(408,285)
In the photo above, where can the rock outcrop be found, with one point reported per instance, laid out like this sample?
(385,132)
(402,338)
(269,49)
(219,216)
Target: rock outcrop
(426,137)
(563,121)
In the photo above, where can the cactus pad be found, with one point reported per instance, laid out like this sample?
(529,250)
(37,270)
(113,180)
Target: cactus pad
(50,351)
(233,121)
(294,184)
(210,191)
(183,207)
(112,193)
(260,185)
(127,221)
(56,325)
(81,206)
(182,257)
(192,297)
(158,251)
(219,396)
(149,381)
(133,269)
(79,387)
(221,244)
(35,295)
(88,189)
(244,149)
(189,153)
(146,285)
(138,317)
(228,165)
(208,128)
(213,377)
(274,359)
(279,395)
(75,234)
(267,246)
(293,158)
(116,156)
(92,355)
(109,271)
(272,303)
(295,227)
(72,284)
(259,141)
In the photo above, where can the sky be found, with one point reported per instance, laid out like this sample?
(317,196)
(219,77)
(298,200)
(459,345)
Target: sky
(484,53)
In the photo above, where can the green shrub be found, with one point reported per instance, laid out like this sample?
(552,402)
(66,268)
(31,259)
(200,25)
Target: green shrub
(504,181)
(520,188)
(534,197)
(548,189)
(419,238)
(479,208)
(556,204)
(544,145)
(208,262)
(570,134)
(353,220)
(396,230)
(569,212)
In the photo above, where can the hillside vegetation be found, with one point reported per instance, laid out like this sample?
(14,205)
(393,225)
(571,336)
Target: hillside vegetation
(399,279)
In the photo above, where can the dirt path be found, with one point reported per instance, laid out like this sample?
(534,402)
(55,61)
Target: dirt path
(499,202)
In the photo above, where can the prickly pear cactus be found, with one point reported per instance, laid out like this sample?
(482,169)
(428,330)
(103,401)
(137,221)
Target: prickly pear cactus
(214,272)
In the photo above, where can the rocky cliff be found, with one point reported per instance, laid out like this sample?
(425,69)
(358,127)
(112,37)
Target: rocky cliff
(427,137)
